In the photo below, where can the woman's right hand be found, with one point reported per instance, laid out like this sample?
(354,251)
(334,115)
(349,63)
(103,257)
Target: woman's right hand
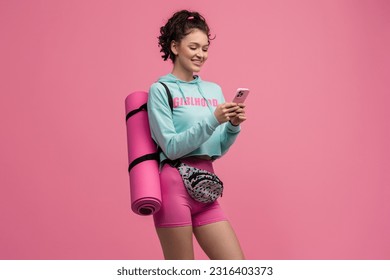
(225,111)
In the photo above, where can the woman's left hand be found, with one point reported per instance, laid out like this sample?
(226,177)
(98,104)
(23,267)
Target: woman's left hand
(240,117)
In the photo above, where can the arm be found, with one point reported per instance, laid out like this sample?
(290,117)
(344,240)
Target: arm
(229,133)
(173,144)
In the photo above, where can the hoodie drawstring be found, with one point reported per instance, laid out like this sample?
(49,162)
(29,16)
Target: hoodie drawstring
(178,82)
(180,89)
(202,94)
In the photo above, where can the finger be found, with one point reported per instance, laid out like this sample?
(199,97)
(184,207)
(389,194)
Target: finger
(232,112)
(230,104)
(232,117)
(233,109)
(240,111)
(240,116)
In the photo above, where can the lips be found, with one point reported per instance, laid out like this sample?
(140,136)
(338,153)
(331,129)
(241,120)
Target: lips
(197,62)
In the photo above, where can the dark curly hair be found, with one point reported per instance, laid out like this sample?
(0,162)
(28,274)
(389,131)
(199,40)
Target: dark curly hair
(177,27)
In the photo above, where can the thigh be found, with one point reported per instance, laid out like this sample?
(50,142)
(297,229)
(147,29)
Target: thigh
(207,213)
(175,209)
(219,241)
(173,220)
(176,242)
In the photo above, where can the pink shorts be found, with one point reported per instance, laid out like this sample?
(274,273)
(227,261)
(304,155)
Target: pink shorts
(178,208)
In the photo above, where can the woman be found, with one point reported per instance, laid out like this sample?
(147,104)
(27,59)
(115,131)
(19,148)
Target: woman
(200,128)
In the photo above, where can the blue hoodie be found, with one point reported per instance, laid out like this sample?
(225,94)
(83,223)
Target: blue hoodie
(192,128)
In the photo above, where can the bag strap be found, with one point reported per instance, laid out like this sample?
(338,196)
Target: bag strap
(173,163)
(145,106)
(170,100)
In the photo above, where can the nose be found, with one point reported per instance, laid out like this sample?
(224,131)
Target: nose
(200,53)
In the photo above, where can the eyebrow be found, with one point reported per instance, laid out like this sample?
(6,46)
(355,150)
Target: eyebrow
(195,43)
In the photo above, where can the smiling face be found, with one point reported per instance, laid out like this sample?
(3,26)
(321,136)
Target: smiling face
(191,53)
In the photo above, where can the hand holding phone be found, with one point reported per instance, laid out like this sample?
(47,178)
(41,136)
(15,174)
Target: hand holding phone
(239,98)
(241,95)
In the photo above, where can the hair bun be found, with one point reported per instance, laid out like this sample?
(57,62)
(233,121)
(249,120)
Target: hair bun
(177,28)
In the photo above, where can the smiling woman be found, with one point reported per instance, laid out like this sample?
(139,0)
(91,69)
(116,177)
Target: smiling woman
(199,128)
(190,54)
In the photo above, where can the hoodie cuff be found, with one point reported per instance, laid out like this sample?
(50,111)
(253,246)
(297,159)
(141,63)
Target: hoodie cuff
(212,122)
(233,128)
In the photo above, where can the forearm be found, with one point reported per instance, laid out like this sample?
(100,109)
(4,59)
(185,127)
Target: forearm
(229,135)
(176,145)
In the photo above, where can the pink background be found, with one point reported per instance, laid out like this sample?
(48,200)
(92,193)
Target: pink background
(308,177)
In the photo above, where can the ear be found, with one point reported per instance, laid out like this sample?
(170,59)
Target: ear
(174,47)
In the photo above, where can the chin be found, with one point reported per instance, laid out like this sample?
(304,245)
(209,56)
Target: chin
(196,69)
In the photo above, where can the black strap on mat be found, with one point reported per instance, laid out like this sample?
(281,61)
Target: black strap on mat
(143,107)
(153,156)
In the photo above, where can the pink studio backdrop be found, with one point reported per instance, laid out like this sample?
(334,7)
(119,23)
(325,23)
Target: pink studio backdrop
(308,177)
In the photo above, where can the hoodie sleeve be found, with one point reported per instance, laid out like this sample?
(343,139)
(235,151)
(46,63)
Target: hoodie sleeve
(175,145)
(229,134)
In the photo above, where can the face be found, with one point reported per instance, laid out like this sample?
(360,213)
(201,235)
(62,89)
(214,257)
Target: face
(191,52)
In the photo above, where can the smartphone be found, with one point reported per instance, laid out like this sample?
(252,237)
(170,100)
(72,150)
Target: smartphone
(241,95)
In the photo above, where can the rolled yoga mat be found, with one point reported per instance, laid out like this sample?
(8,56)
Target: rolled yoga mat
(145,192)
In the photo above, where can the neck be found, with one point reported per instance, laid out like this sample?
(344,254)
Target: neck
(182,74)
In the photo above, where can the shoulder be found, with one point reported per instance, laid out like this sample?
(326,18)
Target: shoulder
(158,94)
(156,87)
(212,90)
(211,85)
(157,90)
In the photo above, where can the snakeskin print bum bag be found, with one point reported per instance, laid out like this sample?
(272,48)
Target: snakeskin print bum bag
(201,185)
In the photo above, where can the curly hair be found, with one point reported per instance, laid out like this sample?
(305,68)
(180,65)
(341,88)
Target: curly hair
(177,27)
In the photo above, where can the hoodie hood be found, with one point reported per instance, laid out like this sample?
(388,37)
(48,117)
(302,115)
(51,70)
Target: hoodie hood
(170,78)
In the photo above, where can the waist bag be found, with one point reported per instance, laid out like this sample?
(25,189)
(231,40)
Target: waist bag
(201,185)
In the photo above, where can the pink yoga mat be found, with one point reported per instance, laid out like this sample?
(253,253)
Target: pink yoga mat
(145,192)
